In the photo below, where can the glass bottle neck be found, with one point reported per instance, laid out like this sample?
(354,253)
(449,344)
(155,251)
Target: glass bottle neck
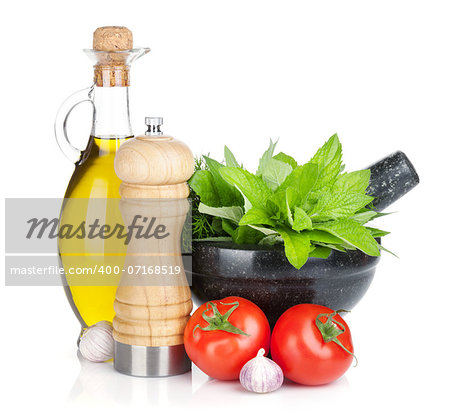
(111,113)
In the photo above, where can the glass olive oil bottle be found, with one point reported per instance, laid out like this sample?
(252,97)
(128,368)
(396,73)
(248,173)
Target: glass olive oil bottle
(93,191)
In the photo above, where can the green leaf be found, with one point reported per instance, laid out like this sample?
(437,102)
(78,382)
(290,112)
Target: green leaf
(230,160)
(301,220)
(377,233)
(286,159)
(387,250)
(299,182)
(247,235)
(302,179)
(364,217)
(329,161)
(320,252)
(266,157)
(202,183)
(232,213)
(290,196)
(271,240)
(296,246)
(252,187)
(272,171)
(228,227)
(340,248)
(356,181)
(338,205)
(217,225)
(228,194)
(275,172)
(256,216)
(265,231)
(353,233)
(327,153)
(322,236)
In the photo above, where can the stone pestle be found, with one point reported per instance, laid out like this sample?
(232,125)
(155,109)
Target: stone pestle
(391,178)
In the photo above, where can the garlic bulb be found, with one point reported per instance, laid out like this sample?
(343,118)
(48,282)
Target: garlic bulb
(97,343)
(261,374)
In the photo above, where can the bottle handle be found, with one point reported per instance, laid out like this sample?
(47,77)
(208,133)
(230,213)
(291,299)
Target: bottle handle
(69,150)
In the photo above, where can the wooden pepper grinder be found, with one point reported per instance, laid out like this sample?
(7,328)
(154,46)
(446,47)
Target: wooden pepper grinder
(153,301)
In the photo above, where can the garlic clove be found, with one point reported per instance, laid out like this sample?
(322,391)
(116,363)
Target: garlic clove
(97,343)
(261,375)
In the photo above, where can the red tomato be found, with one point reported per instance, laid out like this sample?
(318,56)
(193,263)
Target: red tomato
(223,335)
(306,355)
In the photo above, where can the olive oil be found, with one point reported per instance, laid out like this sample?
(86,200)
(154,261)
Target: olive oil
(93,191)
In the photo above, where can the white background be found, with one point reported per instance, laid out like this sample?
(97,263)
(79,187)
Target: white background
(237,73)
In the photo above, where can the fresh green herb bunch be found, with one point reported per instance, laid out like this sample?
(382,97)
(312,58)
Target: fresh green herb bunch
(201,224)
(311,208)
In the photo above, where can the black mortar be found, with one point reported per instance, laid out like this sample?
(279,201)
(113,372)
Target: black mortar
(264,275)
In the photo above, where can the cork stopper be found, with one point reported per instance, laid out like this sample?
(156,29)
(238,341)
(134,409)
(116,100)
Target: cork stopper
(114,44)
(113,38)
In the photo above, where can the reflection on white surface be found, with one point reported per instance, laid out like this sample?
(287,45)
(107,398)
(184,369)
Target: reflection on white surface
(232,395)
(99,383)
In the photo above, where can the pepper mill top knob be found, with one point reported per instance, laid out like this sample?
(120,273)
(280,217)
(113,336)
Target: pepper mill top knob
(153,126)
(154,164)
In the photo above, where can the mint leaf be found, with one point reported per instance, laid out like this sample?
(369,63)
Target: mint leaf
(256,216)
(275,172)
(353,233)
(272,171)
(271,240)
(387,250)
(364,217)
(291,195)
(338,205)
(296,246)
(266,157)
(329,161)
(232,213)
(202,182)
(286,159)
(217,225)
(356,181)
(228,227)
(252,187)
(247,235)
(230,160)
(303,180)
(228,194)
(299,182)
(301,220)
(322,236)
(265,231)
(339,248)
(320,252)
(377,233)
(280,205)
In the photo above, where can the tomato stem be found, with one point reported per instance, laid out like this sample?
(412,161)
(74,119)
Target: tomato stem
(219,321)
(332,328)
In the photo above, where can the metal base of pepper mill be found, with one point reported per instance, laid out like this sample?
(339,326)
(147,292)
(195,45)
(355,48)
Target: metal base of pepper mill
(146,361)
